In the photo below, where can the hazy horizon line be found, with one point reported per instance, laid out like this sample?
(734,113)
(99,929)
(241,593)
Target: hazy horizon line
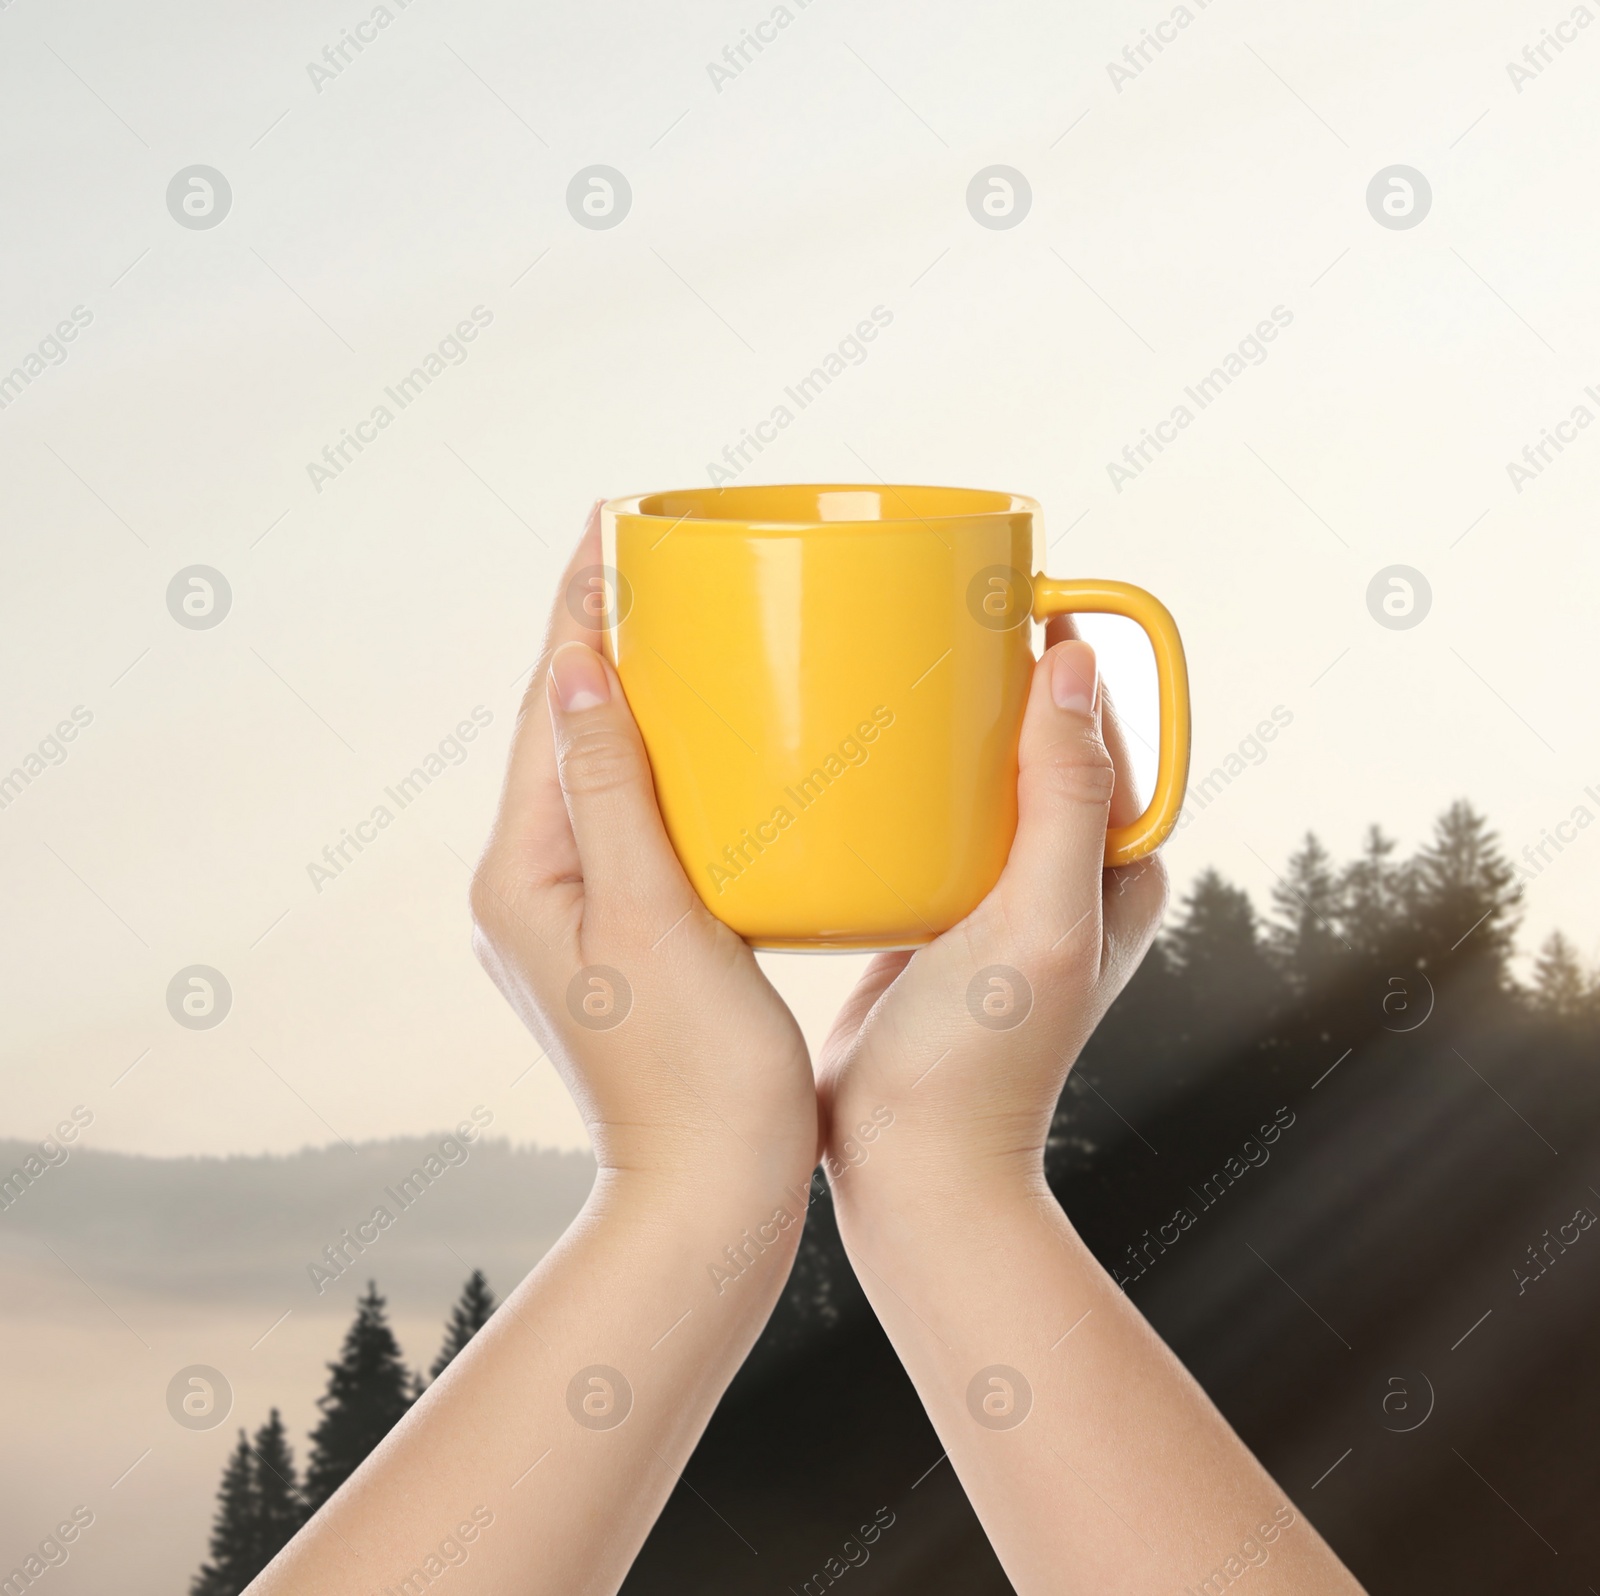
(27,1145)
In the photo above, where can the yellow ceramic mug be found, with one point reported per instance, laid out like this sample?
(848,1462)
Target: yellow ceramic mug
(830,682)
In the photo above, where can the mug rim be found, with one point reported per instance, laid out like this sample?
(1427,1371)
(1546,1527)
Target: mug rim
(982,504)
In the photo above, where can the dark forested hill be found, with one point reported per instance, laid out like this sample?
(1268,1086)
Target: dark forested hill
(1378,1143)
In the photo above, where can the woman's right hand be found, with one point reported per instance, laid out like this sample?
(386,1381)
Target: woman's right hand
(968,1040)
(1094,1461)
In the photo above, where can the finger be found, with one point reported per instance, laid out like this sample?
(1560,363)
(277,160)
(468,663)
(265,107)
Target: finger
(1134,895)
(630,874)
(1125,804)
(1064,786)
(1060,629)
(532,803)
(532,823)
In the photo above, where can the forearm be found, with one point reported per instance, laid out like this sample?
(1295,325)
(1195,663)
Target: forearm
(566,1464)
(1104,1467)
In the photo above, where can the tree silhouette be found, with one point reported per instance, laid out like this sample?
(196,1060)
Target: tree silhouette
(1227,982)
(1309,902)
(279,1507)
(369,1390)
(1216,935)
(258,1509)
(1462,896)
(1559,985)
(233,1535)
(467,1318)
(1371,893)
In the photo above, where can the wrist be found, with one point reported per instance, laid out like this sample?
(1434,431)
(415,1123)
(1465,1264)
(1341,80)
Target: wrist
(925,1202)
(692,1171)
(724,1247)
(950,1148)
(947,1164)
(705,1209)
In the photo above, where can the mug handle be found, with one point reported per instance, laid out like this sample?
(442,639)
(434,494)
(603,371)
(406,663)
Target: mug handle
(1124,844)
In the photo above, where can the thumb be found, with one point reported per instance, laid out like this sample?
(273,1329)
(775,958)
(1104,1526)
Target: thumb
(627,860)
(1065,779)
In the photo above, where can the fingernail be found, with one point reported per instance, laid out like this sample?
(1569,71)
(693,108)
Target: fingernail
(578,677)
(1072,677)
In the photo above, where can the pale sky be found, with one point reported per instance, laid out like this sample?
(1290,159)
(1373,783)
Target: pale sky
(372,212)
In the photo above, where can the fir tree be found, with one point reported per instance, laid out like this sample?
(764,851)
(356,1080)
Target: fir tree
(1308,902)
(1371,897)
(1229,985)
(1559,986)
(467,1318)
(1218,928)
(233,1535)
(1463,893)
(279,1510)
(369,1389)
(1226,987)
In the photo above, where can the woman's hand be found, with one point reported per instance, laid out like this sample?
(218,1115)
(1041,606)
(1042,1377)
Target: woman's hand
(1094,1461)
(688,1069)
(563,1426)
(968,1040)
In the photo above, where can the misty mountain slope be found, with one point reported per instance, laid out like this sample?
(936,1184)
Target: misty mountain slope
(246,1227)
